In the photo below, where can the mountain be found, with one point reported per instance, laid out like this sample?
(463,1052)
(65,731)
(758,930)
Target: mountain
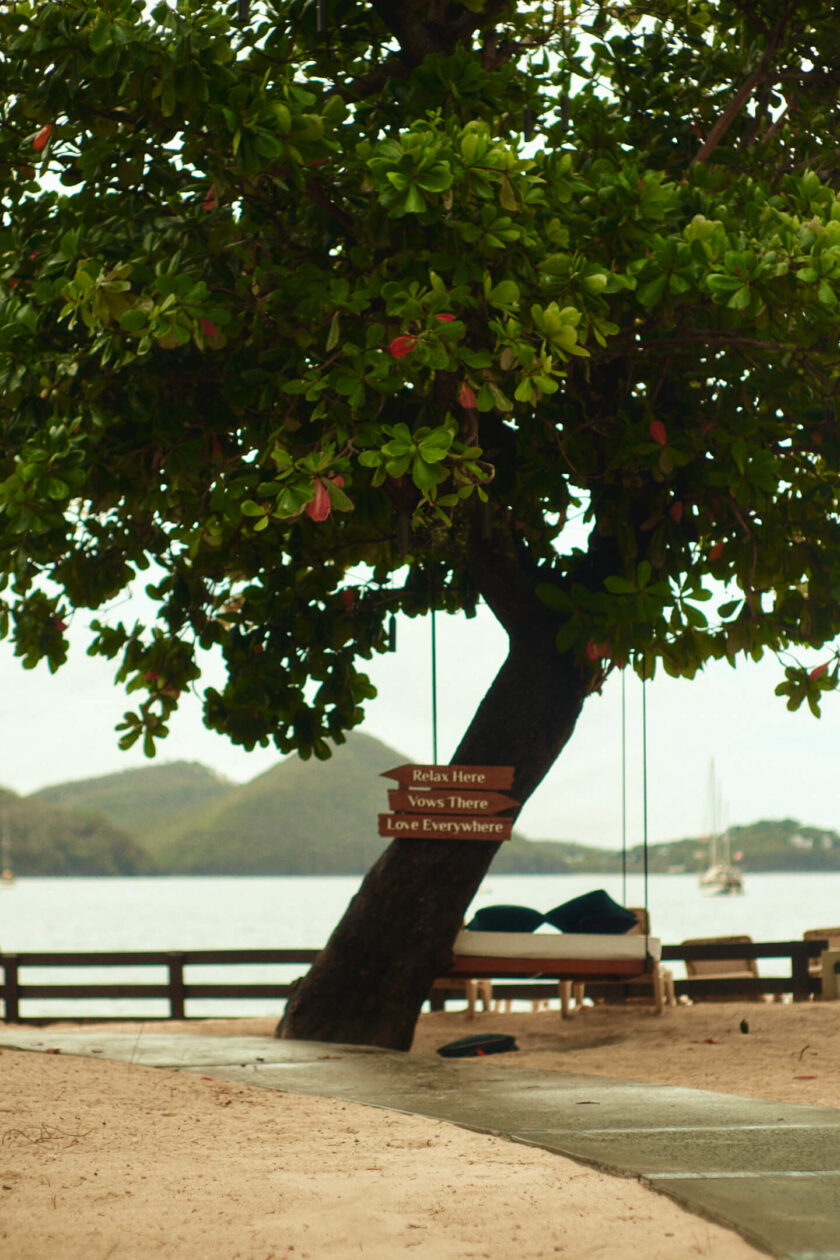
(43,840)
(138,801)
(299,818)
(552,857)
(319,818)
(780,845)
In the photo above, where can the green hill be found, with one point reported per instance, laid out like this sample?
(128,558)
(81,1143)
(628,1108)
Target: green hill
(138,801)
(552,857)
(42,840)
(300,817)
(319,818)
(780,845)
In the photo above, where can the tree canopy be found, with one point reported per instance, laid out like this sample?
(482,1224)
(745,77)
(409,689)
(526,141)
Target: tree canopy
(287,289)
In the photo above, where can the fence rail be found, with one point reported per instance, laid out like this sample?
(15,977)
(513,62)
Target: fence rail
(801,983)
(176,990)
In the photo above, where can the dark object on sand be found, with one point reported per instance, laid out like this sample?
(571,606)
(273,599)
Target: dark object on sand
(745,1028)
(478,1045)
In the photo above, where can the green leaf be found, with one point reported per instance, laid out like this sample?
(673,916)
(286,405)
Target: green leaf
(550,595)
(413,203)
(339,500)
(505,293)
(618,585)
(334,332)
(651,294)
(134,319)
(740,299)
(424,476)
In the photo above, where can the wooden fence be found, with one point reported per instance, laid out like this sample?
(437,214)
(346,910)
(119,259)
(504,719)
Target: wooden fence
(177,990)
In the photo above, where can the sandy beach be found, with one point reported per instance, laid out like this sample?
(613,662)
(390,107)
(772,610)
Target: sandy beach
(109,1161)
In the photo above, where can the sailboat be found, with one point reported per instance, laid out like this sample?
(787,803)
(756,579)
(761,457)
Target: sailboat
(720,876)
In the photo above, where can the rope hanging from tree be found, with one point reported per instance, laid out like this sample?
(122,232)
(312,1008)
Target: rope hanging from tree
(624,798)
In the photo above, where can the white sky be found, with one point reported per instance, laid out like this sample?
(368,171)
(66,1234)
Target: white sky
(770,763)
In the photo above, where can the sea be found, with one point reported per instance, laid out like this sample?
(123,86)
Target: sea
(286,912)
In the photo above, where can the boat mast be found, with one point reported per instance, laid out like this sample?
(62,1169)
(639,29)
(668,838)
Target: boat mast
(713,799)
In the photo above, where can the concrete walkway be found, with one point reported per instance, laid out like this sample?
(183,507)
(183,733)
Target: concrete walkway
(769,1170)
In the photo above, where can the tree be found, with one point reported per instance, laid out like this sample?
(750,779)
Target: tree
(294,292)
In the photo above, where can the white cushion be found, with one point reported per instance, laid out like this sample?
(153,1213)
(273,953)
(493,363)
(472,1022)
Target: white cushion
(577,945)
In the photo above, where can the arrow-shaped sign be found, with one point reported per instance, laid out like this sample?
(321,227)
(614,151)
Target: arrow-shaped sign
(424,827)
(478,778)
(450,801)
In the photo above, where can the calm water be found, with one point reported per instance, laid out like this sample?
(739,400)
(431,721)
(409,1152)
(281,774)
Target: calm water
(300,911)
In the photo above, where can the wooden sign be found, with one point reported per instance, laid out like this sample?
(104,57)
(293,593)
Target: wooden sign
(448,803)
(451,801)
(480,778)
(425,827)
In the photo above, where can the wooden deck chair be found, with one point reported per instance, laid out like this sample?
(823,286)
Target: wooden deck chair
(660,981)
(723,968)
(832,935)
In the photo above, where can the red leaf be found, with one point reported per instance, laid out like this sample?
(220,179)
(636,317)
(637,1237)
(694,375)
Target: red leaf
(675,511)
(466,397)
(818,672)
(596,650)
(401,346)
(151,676)
(348,597)
(445,318)
(319,508)
(716,551)
(337,479)
(42,138)
(657,432)
(210,202)
(208,328)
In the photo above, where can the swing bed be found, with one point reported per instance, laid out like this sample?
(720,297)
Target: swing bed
(571,958)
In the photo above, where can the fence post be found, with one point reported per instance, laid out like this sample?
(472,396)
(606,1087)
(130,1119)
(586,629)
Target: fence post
(799,972)
(175,962)
(11,1012)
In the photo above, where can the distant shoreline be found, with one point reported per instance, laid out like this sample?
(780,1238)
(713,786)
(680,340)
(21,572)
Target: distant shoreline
(579,871)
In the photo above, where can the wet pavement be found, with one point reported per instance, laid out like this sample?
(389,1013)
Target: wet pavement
(769,1170)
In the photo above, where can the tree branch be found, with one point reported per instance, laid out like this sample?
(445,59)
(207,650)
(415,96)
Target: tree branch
(759,75)
(418,38)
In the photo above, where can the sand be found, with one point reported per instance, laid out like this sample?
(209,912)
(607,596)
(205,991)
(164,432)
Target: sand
(108,1161)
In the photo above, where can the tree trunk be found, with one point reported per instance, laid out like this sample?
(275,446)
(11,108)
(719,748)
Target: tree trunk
(367,986)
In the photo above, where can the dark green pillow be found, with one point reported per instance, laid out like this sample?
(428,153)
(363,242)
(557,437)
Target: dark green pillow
(594,912)
(479,1044)
(505,919)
